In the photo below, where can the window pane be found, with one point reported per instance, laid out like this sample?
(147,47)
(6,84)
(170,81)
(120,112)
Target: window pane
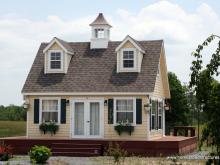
(128,63)
(50,116)
(154,107)
(124,116)
(153,122)
(124,105)
(55,64)
(49,105)
(128,55)
(160,122)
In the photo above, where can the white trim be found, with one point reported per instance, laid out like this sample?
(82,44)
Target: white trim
(49,61)
(27,123)
(128,38)
(87,93)
(87,102)
(54,40)
(134,108)
(49,98)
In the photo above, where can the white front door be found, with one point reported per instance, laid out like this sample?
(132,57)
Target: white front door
(87,119)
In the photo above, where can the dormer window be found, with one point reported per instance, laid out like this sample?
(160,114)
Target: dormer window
(55,60)
(99,33)
(128,59)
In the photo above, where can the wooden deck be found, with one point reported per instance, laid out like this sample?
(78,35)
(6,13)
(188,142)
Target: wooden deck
(165,146)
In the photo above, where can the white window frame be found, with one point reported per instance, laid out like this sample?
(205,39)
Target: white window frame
(49,60)
(59,107)
(122,68)
(134,108)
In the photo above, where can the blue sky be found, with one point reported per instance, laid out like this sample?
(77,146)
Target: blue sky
(24,24)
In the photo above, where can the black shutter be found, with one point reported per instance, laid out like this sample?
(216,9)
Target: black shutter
(36,111)
(63,111)
(150,114)
(157,112)
(110,111)
(138,111)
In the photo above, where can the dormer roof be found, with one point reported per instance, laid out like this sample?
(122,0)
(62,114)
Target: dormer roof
(100,20)
(63,44)
(133,41)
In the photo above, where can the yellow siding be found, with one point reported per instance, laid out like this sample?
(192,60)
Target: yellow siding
(140,131)
(55,46)
(33,129)
(128,44)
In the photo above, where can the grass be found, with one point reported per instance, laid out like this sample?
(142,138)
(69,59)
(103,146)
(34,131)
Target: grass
(12,128)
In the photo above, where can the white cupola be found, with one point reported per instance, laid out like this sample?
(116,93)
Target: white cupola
(100,33)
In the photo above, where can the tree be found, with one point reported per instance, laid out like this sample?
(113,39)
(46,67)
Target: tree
(13,113)
(207,90)
(177,115)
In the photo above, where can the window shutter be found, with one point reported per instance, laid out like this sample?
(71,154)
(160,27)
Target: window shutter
(138,111)
(63,111)
(157,116)
(150,114)
(36,111)
(110,111)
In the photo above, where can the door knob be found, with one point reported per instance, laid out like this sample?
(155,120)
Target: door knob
(88,121)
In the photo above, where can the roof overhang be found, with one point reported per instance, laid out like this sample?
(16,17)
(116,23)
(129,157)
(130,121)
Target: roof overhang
(85,93)
(128,38)
(53,41)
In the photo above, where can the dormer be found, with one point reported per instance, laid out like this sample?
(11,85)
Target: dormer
(100,33)
(129,55)
(57,56)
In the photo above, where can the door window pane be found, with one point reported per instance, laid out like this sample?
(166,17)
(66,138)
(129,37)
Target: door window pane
(94,118)
(79,119)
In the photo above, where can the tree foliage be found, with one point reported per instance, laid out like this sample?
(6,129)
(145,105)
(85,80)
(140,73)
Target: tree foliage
(177,115)
(208,90)
(13,113)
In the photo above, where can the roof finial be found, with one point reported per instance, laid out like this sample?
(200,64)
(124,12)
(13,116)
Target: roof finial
(100,20)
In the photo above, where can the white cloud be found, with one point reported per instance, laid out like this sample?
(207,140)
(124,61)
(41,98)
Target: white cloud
(181,30)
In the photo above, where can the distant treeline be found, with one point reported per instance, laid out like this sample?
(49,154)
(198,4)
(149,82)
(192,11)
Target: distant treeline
(13,113)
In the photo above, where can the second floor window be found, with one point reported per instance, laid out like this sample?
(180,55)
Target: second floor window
(128,59)
(55,60)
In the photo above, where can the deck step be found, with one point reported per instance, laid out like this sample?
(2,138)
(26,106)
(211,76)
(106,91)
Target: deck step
(78,154)
(76,149)
(91,150)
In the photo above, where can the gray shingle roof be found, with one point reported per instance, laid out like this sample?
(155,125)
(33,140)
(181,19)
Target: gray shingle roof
(65,45)
(100,20)
(94,70)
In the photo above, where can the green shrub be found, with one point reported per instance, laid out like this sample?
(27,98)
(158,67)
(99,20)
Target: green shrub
(51,127)
(39,154)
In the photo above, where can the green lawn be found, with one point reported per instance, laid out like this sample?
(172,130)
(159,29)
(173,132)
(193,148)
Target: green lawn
(12,128)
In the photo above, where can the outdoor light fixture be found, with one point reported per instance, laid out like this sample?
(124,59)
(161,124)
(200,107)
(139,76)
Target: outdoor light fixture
(67,102)
(26,105)
(106,102)
(147,107)
(166,107)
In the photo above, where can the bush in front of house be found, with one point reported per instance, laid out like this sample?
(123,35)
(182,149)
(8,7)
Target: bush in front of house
(39,154)
(117,152)
(5,152)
